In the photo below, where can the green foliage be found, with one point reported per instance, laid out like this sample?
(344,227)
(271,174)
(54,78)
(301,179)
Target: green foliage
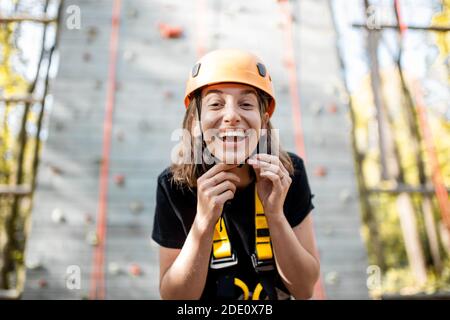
(397,278)
(13,84)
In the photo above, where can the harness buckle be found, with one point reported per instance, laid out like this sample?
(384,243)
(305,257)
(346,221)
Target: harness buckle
(223,262)
(262,265)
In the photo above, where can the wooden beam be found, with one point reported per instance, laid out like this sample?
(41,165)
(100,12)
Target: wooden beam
(27,18)
(393,26)
(404,188)
(20,99)
(20,190)
(389,162)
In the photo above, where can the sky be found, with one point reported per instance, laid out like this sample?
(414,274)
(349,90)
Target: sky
(419,49)
(352,40)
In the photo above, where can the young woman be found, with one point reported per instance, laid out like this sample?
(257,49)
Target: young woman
(235,224)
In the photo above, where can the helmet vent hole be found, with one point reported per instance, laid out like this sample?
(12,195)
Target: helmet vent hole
(195,70)
(261,69)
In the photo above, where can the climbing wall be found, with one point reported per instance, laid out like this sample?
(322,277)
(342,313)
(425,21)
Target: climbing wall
(157,45)
(326,122)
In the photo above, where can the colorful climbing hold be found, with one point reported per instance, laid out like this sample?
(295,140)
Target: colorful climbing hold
(320,171)
(58,216)
(332,278)
(135,270)
(119,180)
(55,170)
(332,108)
(42,283)
(168,94)
(88,218)
(170,31)
(114,268)
(120,135)
(87,57)
(92,238)
(345,196)
(92,33)
(136,207)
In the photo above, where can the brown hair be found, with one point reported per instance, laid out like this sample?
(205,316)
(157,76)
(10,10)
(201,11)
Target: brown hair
(187,174)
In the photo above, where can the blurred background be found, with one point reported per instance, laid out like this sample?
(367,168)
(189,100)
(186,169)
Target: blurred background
(91,96)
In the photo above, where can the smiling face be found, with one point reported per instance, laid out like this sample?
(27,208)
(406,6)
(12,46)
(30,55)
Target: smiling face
(231,121)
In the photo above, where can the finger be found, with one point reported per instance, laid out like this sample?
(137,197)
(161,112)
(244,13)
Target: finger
(210,183)
(222,176)
(224,197)
(286,180)
(272,159)
(284,169)
(222,187)
(218,168)
(272,177)
(278,172)
(283,174)
(267,157)
(265,166)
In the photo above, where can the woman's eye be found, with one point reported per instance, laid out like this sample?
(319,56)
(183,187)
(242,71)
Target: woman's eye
(215,104)
(247,105)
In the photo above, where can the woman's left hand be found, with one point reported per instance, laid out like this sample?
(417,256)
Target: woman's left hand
(272,181)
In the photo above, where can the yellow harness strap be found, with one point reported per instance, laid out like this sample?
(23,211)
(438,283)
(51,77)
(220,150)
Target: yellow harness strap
(221,242)
(262,241)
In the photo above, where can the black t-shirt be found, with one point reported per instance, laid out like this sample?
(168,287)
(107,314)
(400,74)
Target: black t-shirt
(176,208)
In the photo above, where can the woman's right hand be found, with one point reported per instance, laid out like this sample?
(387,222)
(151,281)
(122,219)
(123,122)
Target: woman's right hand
(214,188)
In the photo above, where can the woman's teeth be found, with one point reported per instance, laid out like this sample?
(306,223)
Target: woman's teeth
(232,136)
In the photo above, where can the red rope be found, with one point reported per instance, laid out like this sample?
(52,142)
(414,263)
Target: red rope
(437,177)
(200,28)
(401,24)
(319,290)
(97,277)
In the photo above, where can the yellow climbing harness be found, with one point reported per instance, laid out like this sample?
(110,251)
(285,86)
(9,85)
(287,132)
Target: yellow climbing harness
(223,255)
(263,245)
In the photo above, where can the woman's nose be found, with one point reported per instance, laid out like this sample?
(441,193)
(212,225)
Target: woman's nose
(231,114)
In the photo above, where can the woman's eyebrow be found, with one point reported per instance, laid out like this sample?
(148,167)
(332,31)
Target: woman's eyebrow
(250,91)
(242,93)
(213,91)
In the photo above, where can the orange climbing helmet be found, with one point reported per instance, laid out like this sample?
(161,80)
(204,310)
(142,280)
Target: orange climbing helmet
(230,65)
